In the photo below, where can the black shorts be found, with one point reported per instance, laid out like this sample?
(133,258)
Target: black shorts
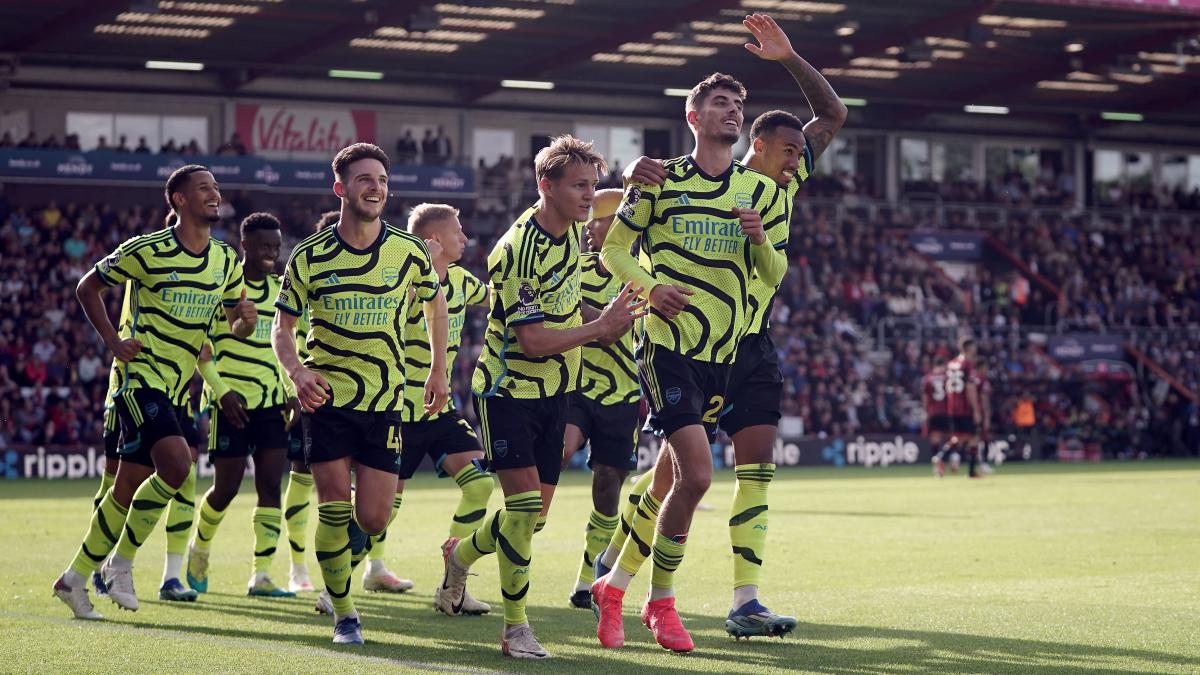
(112,434)
(295,446)
(682,391)
(940,424)
(446,434)
(962,424)
(755,386)
(264,431)
(369,438)
(523,432)
(148,416)
(611,431)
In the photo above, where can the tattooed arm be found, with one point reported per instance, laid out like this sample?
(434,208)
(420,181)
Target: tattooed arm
(829,113)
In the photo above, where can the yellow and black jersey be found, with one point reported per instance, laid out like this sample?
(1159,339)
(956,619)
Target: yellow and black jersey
(609,373)
(248,365)
(693,240)
(356,301)
(762,296)
(532,277)
(169,302)
(461,289)
(112,423)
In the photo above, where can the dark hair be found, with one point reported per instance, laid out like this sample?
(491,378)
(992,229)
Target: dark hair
(771,120)
(352,153)
(709,84)
(256,222)
(327,219)
(176,183)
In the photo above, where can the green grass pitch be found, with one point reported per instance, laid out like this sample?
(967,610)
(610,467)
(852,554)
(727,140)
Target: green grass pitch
(1040,568)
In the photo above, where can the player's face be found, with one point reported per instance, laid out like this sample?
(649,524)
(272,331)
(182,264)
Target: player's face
(720,116)
(365,189)
(200,199)
(450,235)
(261,248)
(781,150)
(597,230)
(571,195)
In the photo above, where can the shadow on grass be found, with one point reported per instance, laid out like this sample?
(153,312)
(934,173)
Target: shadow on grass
(569,634)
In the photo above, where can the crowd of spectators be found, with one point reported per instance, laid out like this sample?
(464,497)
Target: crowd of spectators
(859,318)
(71,142)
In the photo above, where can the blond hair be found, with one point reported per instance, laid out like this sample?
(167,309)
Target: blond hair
(423,216)
(551,161)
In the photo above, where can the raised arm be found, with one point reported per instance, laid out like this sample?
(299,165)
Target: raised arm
(829,113)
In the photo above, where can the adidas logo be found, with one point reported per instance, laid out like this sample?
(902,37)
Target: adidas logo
(333,279)
(684,201)
(174,276)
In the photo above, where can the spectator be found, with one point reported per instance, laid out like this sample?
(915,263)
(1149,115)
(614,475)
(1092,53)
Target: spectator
(122,144)
(30,141)
(429,148)
(234,147)
(406,148)
(6,141)
(142,147)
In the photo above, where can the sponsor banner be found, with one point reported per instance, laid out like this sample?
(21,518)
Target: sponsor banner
(251,172)
(286,132)
(1079,347)
(870,450)
(65,462)
(941,245)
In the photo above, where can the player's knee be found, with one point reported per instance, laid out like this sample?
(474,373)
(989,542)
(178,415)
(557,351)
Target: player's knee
(694,481)
(173,470)
(372,521)
(479,491)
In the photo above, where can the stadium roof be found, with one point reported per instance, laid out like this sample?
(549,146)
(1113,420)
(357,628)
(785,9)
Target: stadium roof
(1057,56)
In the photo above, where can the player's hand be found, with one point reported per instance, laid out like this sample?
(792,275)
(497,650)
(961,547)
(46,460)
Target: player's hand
(624,309)
(311,389)
(435,252)
(751,224)
(437,392)
(645,170)
(670,299)
(773,43)
(234,409)
(125,350)
(292,417)
(246,313)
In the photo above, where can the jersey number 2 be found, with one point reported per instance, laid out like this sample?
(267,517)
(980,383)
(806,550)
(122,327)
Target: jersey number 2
(717,402)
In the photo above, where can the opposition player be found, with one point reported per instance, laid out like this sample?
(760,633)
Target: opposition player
(783,148)
(938,428)
(354,279)
(443,435)
(602,413)
(963,404)
(706,232)
(244,386)
(179,276)
(296,497)
(529,364)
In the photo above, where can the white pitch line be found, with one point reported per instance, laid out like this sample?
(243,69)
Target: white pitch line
(250,643)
